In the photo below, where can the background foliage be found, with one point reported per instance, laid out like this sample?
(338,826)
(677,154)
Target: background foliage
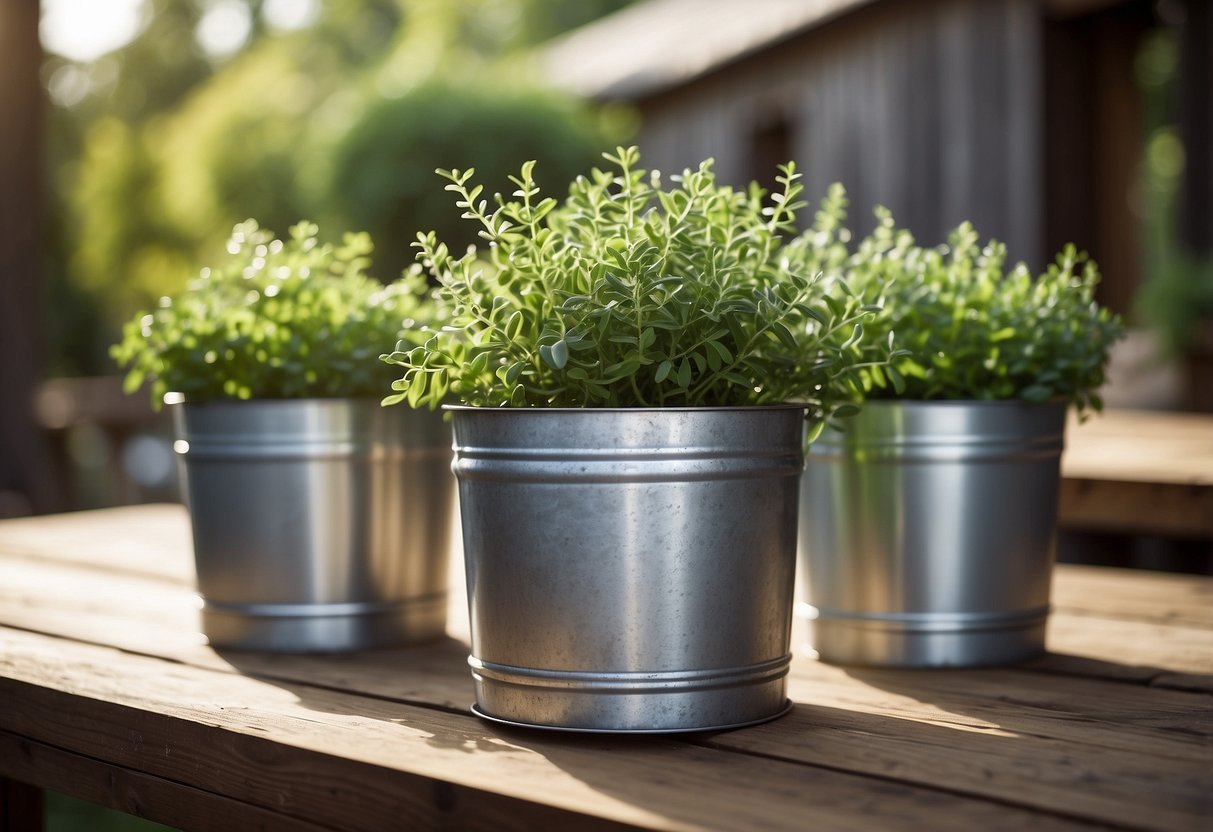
(971,326)
(158,149)
(275,319)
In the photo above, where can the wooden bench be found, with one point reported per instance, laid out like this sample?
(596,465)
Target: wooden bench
(107,693)
(1139,472)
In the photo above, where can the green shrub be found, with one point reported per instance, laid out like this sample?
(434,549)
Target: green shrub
(971,329)
(628,295)
(381,172)
(277,319)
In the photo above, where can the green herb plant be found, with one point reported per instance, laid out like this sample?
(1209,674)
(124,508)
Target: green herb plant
(631,295)
(277,319)
(970,328)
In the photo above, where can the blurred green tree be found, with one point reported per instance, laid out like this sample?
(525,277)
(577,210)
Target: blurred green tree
(162,147)
(381,172)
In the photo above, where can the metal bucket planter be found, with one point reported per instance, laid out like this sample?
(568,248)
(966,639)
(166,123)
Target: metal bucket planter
(319,525)
(629,570)
(928,533)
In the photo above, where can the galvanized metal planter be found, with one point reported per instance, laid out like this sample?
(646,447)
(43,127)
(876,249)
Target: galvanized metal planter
(629,570)
(319,525)
(928,533)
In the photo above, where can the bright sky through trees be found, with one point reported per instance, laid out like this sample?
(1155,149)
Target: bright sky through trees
(84,30)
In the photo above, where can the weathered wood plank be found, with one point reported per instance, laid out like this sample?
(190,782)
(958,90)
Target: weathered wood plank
(139,543)
(145,540)
(359,762)
(1129,649)
(116,611)
(154,618)
(153,541)
(1141,446)
(1068,727)
(1107,592)
(141,795)
(1139,471)
(1091,714)
(1121,754)
(1081,735)
(150,616)
(1125,789)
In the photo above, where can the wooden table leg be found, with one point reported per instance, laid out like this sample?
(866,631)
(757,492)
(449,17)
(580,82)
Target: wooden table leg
(20,807)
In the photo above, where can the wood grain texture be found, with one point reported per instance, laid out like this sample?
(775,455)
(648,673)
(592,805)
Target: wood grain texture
(150,540)
(364,763)
(1137,647)
(156,617)
(1131,594)
(134,793)
(104,665)
(1139,472)
(1141,446)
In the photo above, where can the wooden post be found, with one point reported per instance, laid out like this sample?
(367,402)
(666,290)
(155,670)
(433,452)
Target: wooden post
(25,478)
(1195,215)
(1196,128)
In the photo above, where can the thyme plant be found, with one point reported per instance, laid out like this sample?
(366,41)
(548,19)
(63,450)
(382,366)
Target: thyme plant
(628,294)
(276,319)
(970,327)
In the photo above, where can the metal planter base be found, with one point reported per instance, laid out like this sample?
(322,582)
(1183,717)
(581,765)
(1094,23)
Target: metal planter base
(633,702)
(769,717)
(288,628)
(318,524)
(629,570)
(938,640)
(928,533)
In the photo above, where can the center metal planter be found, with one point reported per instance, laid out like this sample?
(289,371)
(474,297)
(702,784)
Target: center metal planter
(928,533)
(629,570)
(318,524)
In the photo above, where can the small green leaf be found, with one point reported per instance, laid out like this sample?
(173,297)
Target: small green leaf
(684,374)
(663,371)
(560,354)
(513,372)
(898,380)
(513,326)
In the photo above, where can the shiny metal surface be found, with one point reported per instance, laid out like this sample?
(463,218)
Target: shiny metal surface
(629,570)
(928,533)
(318,524)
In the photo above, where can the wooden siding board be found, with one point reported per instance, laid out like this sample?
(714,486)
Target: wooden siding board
(933,109)
(956,101)
(925,143)
(1024,84)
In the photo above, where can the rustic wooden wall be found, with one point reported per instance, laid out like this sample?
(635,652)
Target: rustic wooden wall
(933,108)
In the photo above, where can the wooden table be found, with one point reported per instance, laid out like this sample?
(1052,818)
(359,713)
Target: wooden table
(107,693)
(1142,472)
